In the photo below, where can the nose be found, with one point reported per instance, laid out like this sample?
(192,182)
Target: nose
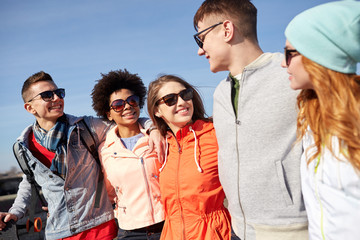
(283,63)
(127,106)
(180,101)
(200,51)
(55,97)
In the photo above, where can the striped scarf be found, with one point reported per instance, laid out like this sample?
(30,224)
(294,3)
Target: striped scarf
(54,140)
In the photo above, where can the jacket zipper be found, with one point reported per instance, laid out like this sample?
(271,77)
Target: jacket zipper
(316,179)
(238,122)
(178,189)
(147,188)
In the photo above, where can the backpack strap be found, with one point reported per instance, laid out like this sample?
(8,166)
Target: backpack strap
(23,163)
(89,141)
(19,154)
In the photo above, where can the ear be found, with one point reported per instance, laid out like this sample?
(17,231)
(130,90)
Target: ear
(29,108)
(158,113)
(109,116)
(229,30)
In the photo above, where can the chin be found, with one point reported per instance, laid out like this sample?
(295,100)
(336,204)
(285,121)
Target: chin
(216,69)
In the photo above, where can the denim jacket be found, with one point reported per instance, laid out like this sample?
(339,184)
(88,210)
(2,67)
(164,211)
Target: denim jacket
(70,201)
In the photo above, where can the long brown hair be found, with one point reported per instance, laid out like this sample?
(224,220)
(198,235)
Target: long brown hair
(332,108)
(152,98)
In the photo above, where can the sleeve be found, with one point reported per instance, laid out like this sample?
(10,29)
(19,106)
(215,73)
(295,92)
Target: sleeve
(23,198)
(146,123)
(109,188)
(99,128)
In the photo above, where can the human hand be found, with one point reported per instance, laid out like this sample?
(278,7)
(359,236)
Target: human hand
(6,217)
(46,209)
(157,142)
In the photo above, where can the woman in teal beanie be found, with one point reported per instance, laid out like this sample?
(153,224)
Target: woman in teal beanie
(321,54)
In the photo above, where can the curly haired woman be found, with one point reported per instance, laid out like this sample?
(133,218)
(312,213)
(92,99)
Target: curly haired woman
(131,170)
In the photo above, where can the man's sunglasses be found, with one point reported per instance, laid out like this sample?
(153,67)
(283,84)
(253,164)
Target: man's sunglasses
(118,105)
(171,99)
(200,42)
(289,54)
(48,96)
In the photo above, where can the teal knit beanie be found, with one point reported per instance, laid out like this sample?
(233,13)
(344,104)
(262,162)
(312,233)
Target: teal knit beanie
(328,34)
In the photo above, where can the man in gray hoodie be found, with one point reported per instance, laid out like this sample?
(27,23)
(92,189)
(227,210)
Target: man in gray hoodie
(255,122)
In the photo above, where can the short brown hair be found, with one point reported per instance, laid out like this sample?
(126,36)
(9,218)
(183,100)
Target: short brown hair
(36,77)
(241,12)
(154,87)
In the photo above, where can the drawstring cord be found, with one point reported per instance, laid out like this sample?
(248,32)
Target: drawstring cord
(166,150)
(197,163)
(195,159)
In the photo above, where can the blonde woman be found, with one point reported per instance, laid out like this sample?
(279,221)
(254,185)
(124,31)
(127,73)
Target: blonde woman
(321,54)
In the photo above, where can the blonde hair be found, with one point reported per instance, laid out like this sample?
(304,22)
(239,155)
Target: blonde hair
(332,108)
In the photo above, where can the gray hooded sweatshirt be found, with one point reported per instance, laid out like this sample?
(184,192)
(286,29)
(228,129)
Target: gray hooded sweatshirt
(259,165)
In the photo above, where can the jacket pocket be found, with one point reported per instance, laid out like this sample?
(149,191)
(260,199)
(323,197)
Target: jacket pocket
(282,183)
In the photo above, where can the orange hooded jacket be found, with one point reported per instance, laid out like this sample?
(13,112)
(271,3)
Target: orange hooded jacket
(190,188)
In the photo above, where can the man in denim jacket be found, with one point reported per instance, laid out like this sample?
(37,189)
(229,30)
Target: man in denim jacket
(62,166)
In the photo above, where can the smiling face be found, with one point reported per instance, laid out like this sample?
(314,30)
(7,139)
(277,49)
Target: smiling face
(215,48)
(299,77)
(129,115)
(178,115)
(46,113)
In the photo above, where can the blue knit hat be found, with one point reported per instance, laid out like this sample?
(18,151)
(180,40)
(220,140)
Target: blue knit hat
(328,34)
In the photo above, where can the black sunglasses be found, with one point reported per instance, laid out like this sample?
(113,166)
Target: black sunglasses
(200,42)
(289,55)
(48,96)
(171,99)
(118,105)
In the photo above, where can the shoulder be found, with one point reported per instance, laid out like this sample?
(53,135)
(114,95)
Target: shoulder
(111,135)
(24,134)
(202,127)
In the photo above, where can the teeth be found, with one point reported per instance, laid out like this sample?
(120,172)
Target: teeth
(129,114)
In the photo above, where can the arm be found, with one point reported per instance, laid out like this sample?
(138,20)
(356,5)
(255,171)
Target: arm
(20,204)
(156,140)
(109,188)
(98,128)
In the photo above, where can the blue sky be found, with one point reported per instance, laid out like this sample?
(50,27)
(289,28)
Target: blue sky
(75,41)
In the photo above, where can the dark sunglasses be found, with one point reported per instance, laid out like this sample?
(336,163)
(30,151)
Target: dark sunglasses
(48,96)
(200,42)
(289,54)
(118,105)
(171,99)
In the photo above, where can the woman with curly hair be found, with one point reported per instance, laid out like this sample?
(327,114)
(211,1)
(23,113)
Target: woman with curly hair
(321,54)
(131,170)
(189,180)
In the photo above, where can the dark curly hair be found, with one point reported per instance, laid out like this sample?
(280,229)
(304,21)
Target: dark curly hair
(112,82)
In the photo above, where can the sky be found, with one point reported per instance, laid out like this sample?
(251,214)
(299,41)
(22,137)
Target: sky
(76,41)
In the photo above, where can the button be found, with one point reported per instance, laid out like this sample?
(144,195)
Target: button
(73,229)
(50,176)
